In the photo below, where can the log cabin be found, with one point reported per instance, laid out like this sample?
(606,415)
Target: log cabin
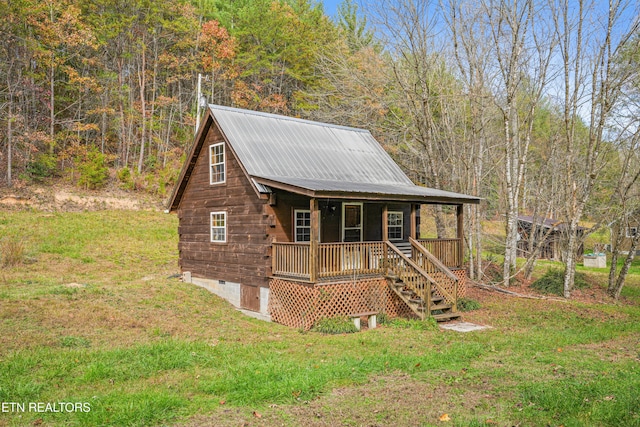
(300,220)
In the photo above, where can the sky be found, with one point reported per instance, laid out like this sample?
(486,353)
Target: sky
(330,7)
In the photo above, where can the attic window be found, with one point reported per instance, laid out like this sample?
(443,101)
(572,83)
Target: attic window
(216,162)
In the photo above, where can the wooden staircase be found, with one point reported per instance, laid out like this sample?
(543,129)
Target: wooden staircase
(409,279)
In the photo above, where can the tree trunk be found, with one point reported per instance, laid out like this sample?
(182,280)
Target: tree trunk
(615,289)
(52,101)
(9,141)
(571,261)
(143,107)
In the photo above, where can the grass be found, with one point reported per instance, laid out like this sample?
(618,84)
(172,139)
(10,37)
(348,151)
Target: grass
(335,325)
(96,318)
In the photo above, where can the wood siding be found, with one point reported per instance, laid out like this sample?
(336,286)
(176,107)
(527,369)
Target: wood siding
(283,210)
(244,258)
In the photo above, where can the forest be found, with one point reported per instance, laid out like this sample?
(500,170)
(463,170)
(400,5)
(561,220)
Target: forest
(530,104)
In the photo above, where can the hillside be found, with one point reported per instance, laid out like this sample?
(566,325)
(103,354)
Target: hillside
(61,197)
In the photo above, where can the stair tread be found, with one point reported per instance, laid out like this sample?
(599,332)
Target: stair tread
(446,316)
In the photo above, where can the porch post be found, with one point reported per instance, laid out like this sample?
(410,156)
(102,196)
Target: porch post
(313,240)
(385,237)
(460,234)
(413,225)
(385,222)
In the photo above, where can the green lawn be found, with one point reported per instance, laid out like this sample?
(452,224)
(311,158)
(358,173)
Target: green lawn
(94,317)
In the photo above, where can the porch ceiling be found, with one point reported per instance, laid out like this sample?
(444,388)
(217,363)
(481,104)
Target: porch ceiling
(369,191)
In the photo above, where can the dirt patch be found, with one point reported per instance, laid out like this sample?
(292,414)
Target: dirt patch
(13,200)
(615,351)
(61,197)
(395,399)
(592,294)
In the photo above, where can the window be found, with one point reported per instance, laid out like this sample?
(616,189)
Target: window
(302,225)
(219,227)
(632,231)
(216,162)
(394,225)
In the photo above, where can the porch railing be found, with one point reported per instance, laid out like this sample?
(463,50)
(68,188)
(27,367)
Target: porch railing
(344,259)
(448,251)
(334,259)
(291,260)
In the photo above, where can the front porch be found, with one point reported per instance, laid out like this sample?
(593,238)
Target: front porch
(377,277)
(346,278)
(354,256)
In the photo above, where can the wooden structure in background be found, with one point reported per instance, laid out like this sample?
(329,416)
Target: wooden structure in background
(548,232)
(276,211)
(629,230)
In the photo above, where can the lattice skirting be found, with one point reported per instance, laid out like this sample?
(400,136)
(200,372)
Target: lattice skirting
(301,305)
(448,285)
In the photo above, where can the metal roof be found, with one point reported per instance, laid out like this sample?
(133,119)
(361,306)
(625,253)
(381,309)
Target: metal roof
(545,222)
(270,145)
(311,158)
(327,188)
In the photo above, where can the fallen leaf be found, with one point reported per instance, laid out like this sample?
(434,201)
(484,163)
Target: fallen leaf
(559,350)
(418,365)
(222,402)
(445,417)
(256,414)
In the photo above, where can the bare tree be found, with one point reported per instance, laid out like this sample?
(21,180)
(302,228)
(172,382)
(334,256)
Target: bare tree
(472,60)
(626,200)
(521,46)
(591,37)
(428,107)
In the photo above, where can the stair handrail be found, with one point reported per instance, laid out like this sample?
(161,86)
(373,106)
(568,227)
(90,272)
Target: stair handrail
(434,260)
(425,294)
(445,294)
(443,268)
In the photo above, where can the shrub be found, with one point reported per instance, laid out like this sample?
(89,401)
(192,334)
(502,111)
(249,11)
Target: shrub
(383,319)
(12,252)
(553,282)
(335,325)
(126,179)
(42,166)
(468,304)
(92,168)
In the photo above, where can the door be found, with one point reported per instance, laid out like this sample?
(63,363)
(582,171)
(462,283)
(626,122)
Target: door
(250,297)
(352,222)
